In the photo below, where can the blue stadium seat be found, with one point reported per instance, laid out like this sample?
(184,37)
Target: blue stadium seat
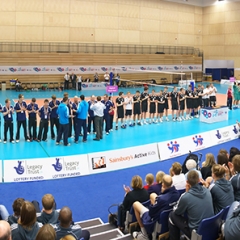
(161,226)
(209,228)
(225,213)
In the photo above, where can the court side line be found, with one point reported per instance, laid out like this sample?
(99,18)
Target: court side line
(44,149)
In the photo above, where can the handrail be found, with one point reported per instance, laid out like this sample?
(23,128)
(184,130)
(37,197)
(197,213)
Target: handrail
(55,47)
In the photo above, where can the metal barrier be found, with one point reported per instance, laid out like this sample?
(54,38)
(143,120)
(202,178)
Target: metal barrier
(50,47)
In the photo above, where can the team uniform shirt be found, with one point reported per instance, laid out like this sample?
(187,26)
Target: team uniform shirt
(136,105)
(0,107)
(161,103)
(213,91)
(54,110)
(31,107)
(152,104)
(9,116)
(189,93)
(195,100)
(128,102)
(69,105)
(75,107)
(108,104)
(144,101)
(45,113)
(21,116)
(120,109)
(166,96)
(90,111)
(174,100)
(200,92)
(206,91)
(182,102)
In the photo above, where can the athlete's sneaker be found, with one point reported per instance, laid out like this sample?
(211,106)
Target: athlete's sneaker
(94,133)
(183,118)
(174,119)
(131,125)
(139,124)
(107,133)
(145,122)
(116,128)
(123,127)
(179,119)
(191,117)
(4,141)
(57,143)
(12,141)
(160,120)
(88,133)
(140,236)
(167,119)
(197,116)
(150,122)
(111,130)
(134,124)
(17,141)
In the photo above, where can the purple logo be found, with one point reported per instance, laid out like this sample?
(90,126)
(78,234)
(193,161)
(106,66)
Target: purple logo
(19,169)
(142,68)
(13,69)
(84,85)
(173,146)
(58,165)
(190,67)
(198,140)
(124,69)
(206,114)
(104,69)
(218,135)
(160,68)
(176,68)
(83,69)
(36,69)
(235,130)
(60,69)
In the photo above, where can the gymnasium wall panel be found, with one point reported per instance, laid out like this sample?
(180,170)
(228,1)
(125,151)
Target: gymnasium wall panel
(56,6)
(29,5)
(8,5)
(8,33)
(8,18)
(106,35)
(217,28)
(81,34)
(56,34)
(149,25)
(84,7)
(150,13)
(198,19)
(29,33)
(168,39)
(129,23)
(106,9)
(129,11)
(186,39)
(127,36)
(232,27)
(168,27)
(56,19)
(149,37)
(232,39)
(184,28)
(232,16)
(82,21)
(29,19)
(169,15)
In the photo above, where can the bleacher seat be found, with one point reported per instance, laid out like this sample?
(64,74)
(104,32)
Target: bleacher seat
(225,213)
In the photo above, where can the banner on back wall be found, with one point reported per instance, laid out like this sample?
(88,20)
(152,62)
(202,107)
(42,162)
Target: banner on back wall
(38,70)
(122,158)
(1,172)
(45,168)
(181,146)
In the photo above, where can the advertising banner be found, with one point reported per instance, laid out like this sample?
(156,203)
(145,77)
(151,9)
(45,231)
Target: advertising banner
(122,158)
(1,172)
(214,115)
(45,168)
(39,70)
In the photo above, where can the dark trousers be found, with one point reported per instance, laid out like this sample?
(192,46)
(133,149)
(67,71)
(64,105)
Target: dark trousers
(8,125)
(90,123)
(54,122)
(229,103)
(81,123)
(206,102)
(106,119)
(43,130)
(176,225)
(63,130)
(75,126)
(85,235)
(32,127)
(19,124)
(70,128)
(74,84)
(213,101)
(79,86)
(98,122)
(111,121)
(66,84)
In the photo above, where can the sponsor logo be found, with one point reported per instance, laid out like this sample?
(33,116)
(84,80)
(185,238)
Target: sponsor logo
(198,140)
(83,69)
(36,69)
(19,169)
(160,68)
(218,135)
(235,130)
(173,146)
(12,69)
(190,67)
(60,69)
(142,68)
(124,69)
(176,68)
(104,69)
(206,114)
(57,166)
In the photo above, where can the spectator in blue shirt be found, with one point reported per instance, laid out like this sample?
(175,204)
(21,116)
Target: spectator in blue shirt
(20,108)
(82,114)
(54,121)
(44,114)
(91,115)
(69,105)
(8,120)
(63,113)
(32,119)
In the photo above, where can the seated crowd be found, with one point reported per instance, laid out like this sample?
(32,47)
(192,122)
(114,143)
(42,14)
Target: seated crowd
(28,222)
(191,197)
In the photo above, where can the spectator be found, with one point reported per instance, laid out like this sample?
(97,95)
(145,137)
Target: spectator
(229,97)
(137,194)
(222,159)
(191,204)
(79,83)
(192,165)
(73,78)
(5,231)
(27,227)
(157,187)
(221,189)
(235,180)
(66,226)
(66,81)
(106,77)
(147,217)
(233,151)
(68,237)
(47,232)
(18,85)
(3,213)
(48,214)
(149,179)
(206,171)
(223,151)
(231,227)
(178,178)
(96,77)
(17,205)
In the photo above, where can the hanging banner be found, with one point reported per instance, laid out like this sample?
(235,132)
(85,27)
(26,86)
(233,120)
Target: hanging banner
(39,70)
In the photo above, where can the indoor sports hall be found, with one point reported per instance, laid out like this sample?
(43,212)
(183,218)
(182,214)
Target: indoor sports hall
(139,44)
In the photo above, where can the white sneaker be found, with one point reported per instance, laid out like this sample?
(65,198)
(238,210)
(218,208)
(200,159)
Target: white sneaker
(0,140)
(12,142)
(167,119)
(160,120)
(183,118)
(4,141)
(197,116)
(145,123)
(111,130)
(179,118)
(139,236)
(191,117)
(174,119)
(88,133)
(107,133)
(17,141)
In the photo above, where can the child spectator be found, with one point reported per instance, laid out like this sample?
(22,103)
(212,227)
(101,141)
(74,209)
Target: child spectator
(206,170)
(17,205)
(47,232)
(149,180)
(229,97)
(178,178)
(157,187)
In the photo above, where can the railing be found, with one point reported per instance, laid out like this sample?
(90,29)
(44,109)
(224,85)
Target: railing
(53,47)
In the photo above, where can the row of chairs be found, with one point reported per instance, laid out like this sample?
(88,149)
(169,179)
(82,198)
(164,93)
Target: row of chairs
(209,228)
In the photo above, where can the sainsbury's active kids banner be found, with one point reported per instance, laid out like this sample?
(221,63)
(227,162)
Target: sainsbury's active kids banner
(38,70)
(1,177)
